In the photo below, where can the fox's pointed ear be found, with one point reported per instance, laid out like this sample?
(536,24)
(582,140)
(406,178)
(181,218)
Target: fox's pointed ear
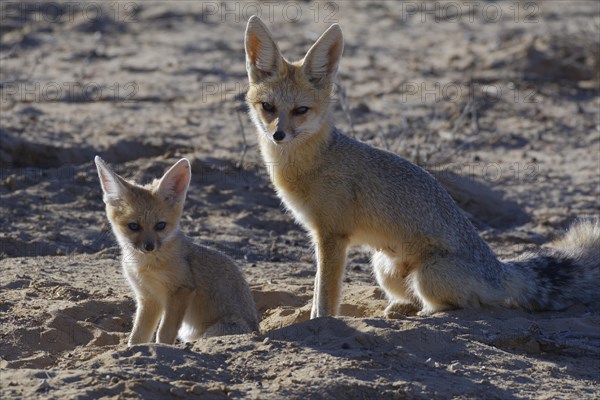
(174,184)
(321,62)
(112,184)
(263,58)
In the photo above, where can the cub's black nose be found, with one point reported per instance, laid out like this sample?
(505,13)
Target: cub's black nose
(279,135)
(148,246)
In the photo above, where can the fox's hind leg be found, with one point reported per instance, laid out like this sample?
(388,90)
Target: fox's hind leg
(226,327)
(393,276)
(447,283)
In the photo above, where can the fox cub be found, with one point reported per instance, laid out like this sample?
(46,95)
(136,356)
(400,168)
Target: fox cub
(427,255)
(194,291)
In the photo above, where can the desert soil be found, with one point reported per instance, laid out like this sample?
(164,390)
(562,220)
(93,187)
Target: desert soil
(499,100)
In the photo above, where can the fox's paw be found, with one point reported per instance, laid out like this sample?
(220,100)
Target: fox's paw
(224,328)
(396,310)
(428,310)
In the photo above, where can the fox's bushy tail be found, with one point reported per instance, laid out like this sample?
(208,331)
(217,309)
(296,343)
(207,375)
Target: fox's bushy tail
(558,277)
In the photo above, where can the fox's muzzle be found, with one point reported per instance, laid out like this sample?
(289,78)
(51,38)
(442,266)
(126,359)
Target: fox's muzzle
(149,246)
(279,136)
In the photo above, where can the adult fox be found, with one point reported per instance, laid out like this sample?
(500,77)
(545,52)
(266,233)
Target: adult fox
(344,192)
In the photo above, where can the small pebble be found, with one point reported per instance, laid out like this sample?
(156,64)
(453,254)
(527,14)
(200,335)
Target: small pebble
(177,391)
(455,366)
(197,389)
(431,363)
(266,340)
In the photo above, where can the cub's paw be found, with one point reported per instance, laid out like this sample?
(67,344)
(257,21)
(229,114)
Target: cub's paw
(427,310)
(397,310)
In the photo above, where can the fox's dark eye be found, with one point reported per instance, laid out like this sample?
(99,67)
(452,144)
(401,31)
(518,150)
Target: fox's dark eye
(134,227)
(160,226)
(268,107)
(299,110)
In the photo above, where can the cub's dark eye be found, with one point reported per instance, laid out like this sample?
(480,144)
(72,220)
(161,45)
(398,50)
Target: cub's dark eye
(299,110)
(134,227)
(268,107)
(160,226)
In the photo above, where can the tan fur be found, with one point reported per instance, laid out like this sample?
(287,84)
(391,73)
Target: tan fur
(582,234)
(192,290)
(427,253)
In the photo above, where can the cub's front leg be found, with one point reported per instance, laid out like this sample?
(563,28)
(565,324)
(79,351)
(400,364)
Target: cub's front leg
(176,305)
(331,259)
(146,318)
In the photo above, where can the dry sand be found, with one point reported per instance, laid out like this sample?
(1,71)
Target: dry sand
(503,108)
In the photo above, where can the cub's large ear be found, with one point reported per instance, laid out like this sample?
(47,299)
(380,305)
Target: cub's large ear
(321,62)
(262,55)
(174,184)
(113,186)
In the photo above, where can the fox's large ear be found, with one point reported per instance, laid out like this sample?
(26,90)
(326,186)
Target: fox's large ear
(321,62)
(112,184)
(175,182)
(262,55)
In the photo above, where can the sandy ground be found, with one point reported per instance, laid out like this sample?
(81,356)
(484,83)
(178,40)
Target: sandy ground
(500,100)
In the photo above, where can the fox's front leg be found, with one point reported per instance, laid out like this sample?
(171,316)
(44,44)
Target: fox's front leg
(146,318)
(177,303)
(331,259)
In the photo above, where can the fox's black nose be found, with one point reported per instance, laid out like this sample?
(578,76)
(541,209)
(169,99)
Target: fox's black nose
(279,135)
(148,246)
